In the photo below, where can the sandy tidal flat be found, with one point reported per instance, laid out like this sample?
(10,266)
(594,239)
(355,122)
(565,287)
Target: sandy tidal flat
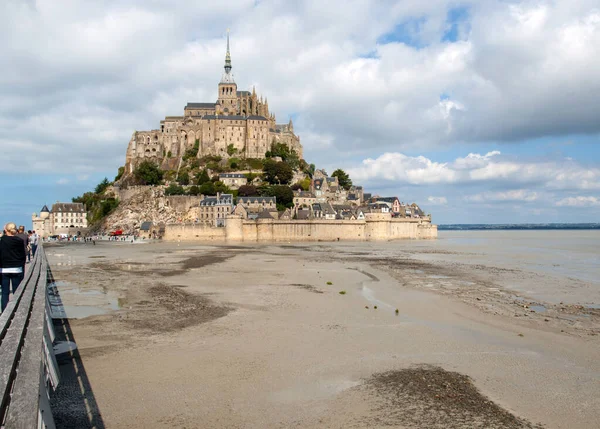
(262,337)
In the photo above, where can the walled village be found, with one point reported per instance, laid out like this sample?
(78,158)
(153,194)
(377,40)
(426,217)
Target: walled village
(223,168)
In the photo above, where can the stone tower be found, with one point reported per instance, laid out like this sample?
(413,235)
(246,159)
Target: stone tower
(227,103)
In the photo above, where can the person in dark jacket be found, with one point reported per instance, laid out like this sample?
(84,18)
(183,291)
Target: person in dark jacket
(12,261)
(25,237)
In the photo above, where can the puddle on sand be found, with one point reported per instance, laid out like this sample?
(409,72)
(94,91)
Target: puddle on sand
(369,295)
(537,308)
(73,302)
(592,306)
(437,276)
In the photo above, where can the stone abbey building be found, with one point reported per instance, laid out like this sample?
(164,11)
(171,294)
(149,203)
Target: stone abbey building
(238,120)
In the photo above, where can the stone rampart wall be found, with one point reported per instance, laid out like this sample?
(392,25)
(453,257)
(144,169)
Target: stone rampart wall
(193,232)
(126,193)
(375,228)
(182,203)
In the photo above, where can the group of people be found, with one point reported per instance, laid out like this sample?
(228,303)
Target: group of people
(17,247)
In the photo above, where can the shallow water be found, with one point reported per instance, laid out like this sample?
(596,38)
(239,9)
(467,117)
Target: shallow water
(74,302)
(548,266)
(574,254)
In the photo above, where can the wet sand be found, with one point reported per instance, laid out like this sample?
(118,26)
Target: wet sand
(261,337)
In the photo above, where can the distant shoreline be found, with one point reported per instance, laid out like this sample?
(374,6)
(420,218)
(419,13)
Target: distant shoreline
(518,227)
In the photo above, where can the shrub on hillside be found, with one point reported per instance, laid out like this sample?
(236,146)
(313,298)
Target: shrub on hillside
(148,173)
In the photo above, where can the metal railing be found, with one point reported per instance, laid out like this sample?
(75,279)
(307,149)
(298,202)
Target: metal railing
(28,368)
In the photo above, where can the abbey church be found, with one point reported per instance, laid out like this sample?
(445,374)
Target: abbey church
(238,123)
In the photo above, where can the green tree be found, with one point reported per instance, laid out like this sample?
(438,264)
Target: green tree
(251,177)
(148,173)
(184,178)
(263,190)
(106,208)
(284,195)
(174,189)
(277,172)
(203,177)
(231,150)
(194,190)
(120,173)
(101,187)
(305,183)
(234,163)
(222,188)
(208,188)
(310,170)
(192,152)
(247,191)
(343,178)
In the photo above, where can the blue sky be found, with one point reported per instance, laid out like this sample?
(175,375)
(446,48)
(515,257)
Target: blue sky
(480,111)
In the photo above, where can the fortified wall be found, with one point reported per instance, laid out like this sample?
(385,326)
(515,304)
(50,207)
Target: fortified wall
(376,227)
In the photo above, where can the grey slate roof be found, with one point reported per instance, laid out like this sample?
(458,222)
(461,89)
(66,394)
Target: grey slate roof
(264,215)
(327,209)
(250,200)
(387,199)
(259,118)
(233,175)
(146,226)
(223,200)
(243,93)
(200,106)
(303,214)
(45,209)
(342,207)
(68,207)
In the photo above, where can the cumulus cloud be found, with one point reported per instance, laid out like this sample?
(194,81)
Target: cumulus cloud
(564,174)
(437,201)
(579,201)
(512,195)
(80,79)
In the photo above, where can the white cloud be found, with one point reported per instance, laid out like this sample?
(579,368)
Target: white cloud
(437,201)
(399,167)
(62,181)
(561,174)
(579,202)
(511,195)
(66,87)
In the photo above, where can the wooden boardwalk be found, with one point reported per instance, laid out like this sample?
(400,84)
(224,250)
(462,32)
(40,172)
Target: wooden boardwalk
(28,369)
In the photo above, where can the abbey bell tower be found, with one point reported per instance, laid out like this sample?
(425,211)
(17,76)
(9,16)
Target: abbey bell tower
(228,100)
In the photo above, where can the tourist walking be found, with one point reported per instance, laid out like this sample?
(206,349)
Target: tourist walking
(33,242)
(12,261)
(25,237)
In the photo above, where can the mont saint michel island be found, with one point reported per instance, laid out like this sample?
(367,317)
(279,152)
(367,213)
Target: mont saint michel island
(227,171)
(341,215)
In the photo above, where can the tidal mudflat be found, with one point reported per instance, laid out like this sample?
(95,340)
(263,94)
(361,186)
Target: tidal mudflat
(216,336)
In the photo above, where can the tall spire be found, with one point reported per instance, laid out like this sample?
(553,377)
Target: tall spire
(227,56)
(227,76)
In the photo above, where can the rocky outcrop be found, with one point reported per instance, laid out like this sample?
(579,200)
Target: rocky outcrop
(148,204)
